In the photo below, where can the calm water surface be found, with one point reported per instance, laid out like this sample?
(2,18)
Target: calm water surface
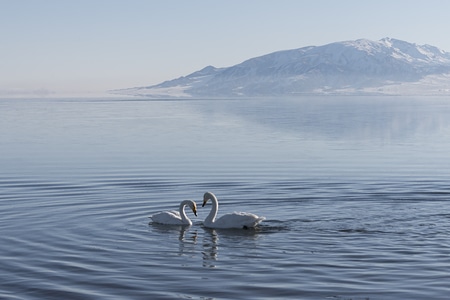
(356,192)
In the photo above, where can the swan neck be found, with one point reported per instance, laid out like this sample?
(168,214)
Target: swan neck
(214,208)
(183,216)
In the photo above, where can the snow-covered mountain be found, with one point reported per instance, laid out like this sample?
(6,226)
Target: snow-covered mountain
(387,66)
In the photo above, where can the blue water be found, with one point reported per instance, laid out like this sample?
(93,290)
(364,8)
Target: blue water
(355,191)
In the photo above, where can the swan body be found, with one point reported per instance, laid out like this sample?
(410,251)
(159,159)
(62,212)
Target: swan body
(230,220)
(175,217)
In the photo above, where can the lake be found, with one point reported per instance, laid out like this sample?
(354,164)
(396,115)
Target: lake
(355,191)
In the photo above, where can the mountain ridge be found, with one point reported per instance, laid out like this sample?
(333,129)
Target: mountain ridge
(362,67)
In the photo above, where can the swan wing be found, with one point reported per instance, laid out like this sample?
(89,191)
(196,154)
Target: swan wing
(167,217)
(238,220)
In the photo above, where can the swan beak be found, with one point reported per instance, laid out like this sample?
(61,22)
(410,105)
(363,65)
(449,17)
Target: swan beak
(204,202)
(194,210)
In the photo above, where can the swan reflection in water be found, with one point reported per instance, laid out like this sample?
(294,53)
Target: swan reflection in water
(187,242)
(229,241)
(186,235)
(210,248)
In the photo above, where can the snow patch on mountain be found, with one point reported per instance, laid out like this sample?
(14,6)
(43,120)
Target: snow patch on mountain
(388,66)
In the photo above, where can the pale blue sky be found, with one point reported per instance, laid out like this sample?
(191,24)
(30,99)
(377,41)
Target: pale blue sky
(69,46)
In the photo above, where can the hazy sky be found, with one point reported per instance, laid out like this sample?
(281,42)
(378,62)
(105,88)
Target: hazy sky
(97,45)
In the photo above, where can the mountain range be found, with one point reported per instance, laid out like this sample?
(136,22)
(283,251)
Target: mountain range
(361,67)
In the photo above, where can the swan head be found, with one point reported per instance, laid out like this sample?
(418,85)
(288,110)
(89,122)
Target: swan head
(193,206)
(207,196)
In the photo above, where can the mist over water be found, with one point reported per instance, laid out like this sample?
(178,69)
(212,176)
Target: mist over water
(354,190)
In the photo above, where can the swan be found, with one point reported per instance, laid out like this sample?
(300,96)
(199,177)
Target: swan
(232,220)
(175,217)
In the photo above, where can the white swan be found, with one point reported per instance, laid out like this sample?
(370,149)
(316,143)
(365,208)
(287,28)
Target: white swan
(175,217)
(231,220)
